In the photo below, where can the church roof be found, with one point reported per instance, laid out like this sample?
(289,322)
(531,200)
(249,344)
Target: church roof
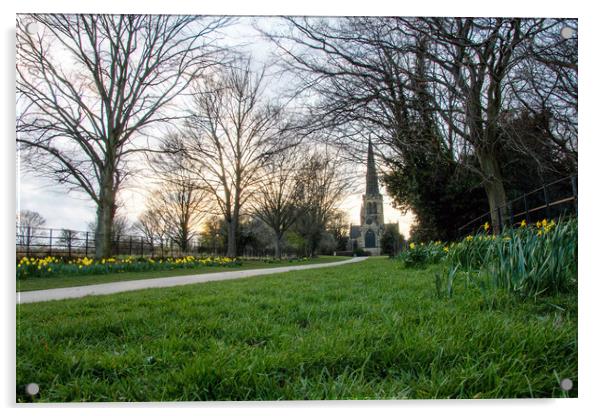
(371,176)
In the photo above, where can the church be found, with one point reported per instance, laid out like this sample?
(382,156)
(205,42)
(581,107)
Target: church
(367,235)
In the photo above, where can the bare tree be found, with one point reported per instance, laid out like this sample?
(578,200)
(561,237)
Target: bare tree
(212,235)
(472,61)
(231,133)
(152,227)
(438,85)
(545,85)
(180,205)
(28,223)
(180,200)
(89,86)
(338,226)
(275,199)
(68,238)
(321,186)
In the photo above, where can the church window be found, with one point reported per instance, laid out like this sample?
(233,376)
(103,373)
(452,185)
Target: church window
(370,239)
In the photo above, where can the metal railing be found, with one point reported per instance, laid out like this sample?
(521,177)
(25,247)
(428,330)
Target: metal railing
(551,200)
(37,241)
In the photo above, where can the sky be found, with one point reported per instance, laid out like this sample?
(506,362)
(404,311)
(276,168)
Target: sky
(63,209)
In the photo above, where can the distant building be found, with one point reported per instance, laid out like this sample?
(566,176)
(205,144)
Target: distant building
(367,235)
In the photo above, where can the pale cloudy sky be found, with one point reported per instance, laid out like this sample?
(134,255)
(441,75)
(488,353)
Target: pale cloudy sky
(73,210)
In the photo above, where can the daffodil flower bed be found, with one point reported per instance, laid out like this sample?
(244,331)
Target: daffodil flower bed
(533,259)
(32,267)
(420,255)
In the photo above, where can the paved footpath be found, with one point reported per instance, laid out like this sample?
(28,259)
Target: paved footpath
(116,287)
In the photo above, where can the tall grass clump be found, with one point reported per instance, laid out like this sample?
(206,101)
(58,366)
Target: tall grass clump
(531,260)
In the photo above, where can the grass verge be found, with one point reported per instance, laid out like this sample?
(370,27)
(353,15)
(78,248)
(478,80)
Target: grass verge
(58,281)
(369,330)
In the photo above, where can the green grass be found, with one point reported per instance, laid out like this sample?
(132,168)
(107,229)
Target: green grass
(370,330)
(57,281)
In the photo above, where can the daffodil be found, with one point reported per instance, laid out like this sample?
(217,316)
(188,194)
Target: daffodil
(486,226)
(412,246)
(523,224)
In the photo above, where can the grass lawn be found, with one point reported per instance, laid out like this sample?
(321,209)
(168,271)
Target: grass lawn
(369,330)
(39,283)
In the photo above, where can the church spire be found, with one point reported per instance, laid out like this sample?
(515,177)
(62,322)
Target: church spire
(371,177)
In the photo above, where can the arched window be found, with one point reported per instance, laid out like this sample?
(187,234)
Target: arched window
(370,239)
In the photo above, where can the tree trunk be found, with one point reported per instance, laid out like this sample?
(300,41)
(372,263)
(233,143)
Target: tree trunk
(232,231)
(278,247)
(184,239)
(104,227)
(494,187)
(105,212)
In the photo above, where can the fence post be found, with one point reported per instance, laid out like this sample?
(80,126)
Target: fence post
(50,245)
(130,245)
(68,232)
(28,239)
(510,214)
(526,208)
(547,200)
(141,247)
(574,186)
(86,244)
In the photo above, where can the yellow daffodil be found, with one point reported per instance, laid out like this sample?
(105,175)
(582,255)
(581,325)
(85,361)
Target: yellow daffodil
(523,224)
(412,246)
(486,226)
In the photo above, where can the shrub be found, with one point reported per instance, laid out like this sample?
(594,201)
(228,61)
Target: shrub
(358,252)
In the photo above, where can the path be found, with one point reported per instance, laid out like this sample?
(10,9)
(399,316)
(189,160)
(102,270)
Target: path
(116,287)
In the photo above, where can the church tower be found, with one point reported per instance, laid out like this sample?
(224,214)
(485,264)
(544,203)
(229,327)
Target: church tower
(372,222)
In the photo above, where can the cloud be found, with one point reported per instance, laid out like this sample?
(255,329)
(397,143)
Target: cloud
(60,208)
